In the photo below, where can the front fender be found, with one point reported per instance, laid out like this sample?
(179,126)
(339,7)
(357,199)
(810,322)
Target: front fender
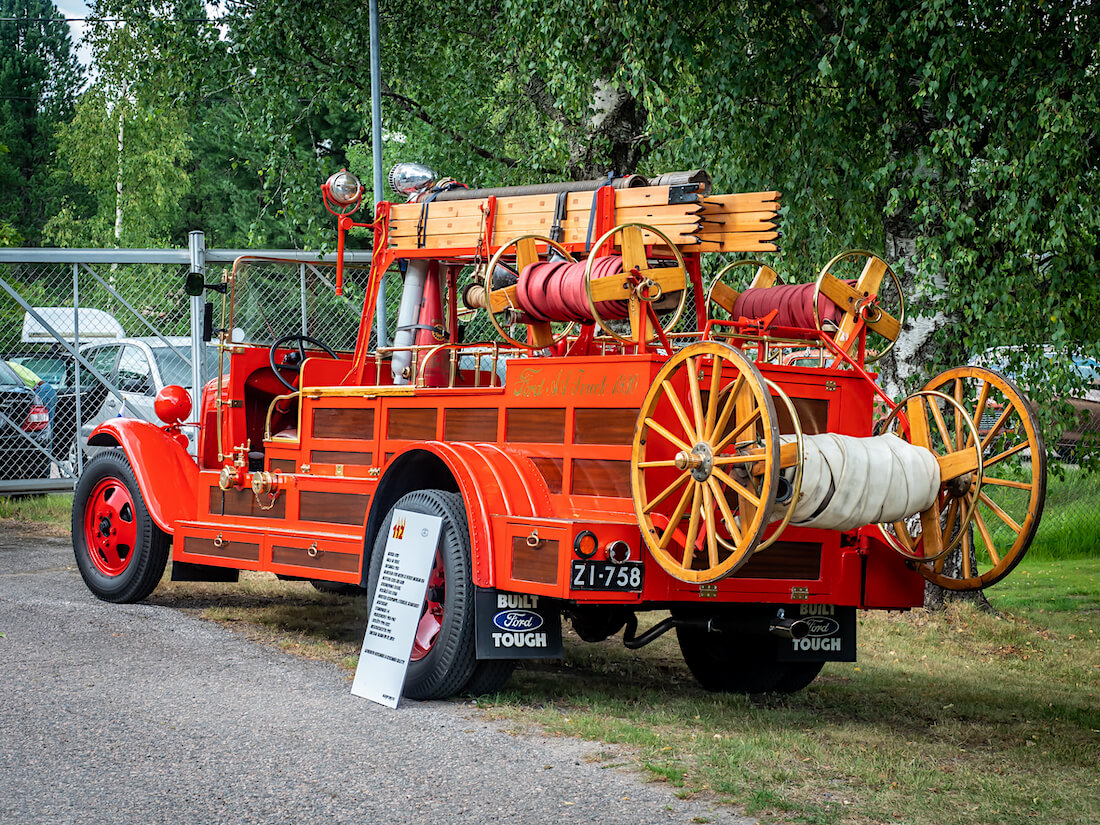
(167,475)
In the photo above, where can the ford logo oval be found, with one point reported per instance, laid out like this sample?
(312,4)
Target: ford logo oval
(821,626)
(518,620)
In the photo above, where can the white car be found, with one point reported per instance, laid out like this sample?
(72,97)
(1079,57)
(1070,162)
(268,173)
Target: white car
(140,368)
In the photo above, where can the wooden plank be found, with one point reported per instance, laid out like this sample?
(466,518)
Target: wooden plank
(521,225)
(437,209)
(444,224)
(724,295)
(722,237)
(645,195)
(501,299)
(735,242)
(656,214)
(957,464)
(572,236)
(739,221)
(617,287)
(742,201)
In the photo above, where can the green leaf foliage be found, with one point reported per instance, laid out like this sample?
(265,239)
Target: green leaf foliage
(39,78)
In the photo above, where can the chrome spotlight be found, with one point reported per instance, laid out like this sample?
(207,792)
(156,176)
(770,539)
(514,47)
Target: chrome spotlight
(411,178)
(344,188)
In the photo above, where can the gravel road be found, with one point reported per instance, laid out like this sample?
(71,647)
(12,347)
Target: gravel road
(142,714)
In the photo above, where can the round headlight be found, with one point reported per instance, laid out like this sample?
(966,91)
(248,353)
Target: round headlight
(410,178)
(344,188)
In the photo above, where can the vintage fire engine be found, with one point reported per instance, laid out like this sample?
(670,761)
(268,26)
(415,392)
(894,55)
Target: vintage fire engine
(628,440)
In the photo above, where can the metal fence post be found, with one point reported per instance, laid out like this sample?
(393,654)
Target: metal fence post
(76,367)
(196,244)
(302,291)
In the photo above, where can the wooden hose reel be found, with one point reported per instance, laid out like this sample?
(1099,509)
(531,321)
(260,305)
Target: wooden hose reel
(861,303)
(502,300)
(721,296)
(700,459)
(858,299)
(992,496)
(639,285)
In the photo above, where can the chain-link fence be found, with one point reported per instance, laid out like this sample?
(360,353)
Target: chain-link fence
(89,335)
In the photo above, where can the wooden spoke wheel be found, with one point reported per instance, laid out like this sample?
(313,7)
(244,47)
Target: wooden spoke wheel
(792,458)
(938,423)
(705,462)
(864,305)
(501,302)
(1009,504)
(721,296)
(639,284)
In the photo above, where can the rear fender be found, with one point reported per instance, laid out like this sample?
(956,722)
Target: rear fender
(493,482)
(167,475)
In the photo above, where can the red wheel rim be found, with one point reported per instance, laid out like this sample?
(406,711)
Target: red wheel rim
(110,529)
(431,619)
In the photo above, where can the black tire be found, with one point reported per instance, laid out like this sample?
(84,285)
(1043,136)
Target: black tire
(131,569)
(337,588)
(798,676)
(447,667)
(726,663)
(490,675)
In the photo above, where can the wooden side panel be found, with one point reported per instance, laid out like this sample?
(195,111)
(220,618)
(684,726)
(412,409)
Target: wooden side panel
(784,560)
(337,422)
(229,549)
(281,465)
(551,471)
(813,415)
(535,564)
(601,477)
(470,424)
(322,559)
(604,426)
(411,424)
(535,426)
(341,457)
(243,503)
(335,508)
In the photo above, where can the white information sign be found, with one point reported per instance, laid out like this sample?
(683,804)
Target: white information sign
(395,613)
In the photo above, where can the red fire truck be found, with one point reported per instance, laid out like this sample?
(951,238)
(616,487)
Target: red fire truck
(629,438)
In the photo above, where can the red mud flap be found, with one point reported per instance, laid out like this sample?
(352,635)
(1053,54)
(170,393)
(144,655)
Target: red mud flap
(516,626)
(832,636)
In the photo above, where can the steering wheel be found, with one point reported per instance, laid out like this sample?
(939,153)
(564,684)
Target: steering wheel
(295,366)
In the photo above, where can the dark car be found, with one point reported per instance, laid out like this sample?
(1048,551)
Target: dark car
(56,369)
(25,438)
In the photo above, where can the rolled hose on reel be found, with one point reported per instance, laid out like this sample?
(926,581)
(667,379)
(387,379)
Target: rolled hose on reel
(705,475)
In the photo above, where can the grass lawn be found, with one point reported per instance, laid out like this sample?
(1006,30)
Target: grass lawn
(965,716)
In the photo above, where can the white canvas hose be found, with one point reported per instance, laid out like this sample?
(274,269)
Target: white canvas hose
(850,482)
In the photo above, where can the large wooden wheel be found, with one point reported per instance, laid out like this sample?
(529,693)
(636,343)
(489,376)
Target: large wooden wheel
(705,462)
(502,301)
(863,305)
(1009,505)
(938,423)
(639,284)
(721,296)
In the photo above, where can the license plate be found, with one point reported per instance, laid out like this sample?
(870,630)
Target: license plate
(603,575)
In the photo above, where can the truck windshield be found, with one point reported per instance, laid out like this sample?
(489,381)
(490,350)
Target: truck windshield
(176,370)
